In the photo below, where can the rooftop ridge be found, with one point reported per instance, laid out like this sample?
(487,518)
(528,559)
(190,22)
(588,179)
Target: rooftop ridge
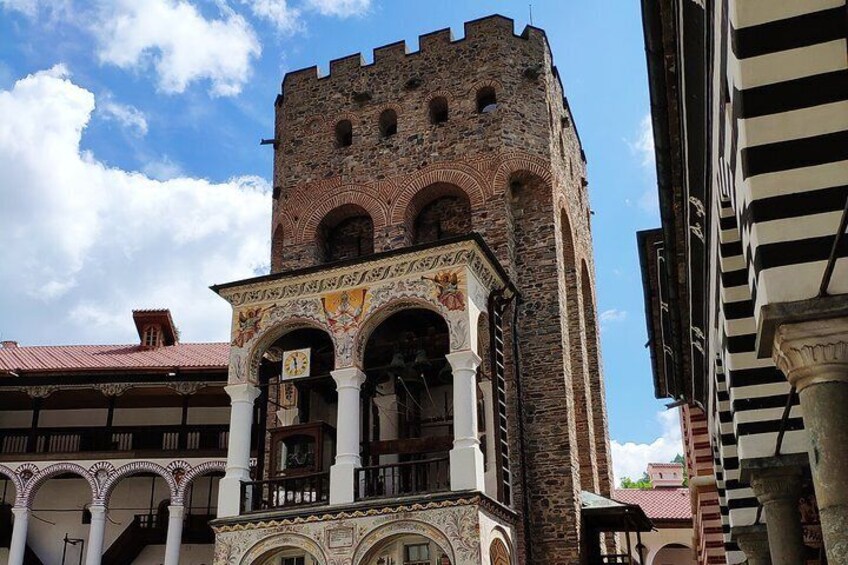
(82,345)
(353,63)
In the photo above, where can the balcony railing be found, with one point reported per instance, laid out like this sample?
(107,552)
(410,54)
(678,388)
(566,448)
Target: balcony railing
(124,438)
(285,492)
(403,479)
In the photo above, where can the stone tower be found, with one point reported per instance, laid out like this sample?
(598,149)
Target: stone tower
(448,181)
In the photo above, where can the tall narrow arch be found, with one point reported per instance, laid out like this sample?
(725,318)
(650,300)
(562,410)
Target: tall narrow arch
(438,110)
(344,133)
(577,354)
(597,393)
(388,123)
(277,247)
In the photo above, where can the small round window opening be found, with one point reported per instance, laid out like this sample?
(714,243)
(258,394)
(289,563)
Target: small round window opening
(487,101)
(438,110)
(344,134)
(388,123)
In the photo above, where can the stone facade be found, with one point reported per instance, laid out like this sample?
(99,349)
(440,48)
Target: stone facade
(514,173)
(463,528)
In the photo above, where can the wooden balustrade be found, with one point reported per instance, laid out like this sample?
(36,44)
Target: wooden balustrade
(123,438)
(285,492)
(402,479)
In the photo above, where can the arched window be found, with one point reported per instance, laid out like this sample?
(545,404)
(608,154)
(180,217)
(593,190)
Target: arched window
(487,101)
(438,110)
(440,211)
(344,134)
(346,233)
(388,123)
(152,336)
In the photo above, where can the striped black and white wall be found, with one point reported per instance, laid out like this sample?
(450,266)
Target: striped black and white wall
(780,161)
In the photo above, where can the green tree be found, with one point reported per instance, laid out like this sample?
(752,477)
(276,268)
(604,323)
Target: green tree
(643,483)
(680,459)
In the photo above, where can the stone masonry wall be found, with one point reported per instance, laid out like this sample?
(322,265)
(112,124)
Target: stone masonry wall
(521,168)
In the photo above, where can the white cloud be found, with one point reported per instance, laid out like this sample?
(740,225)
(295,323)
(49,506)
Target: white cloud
(162,169)
(612,315)
(128,116)
(179,43)
(95,241)
(26,7)
(643,144)
(631,459)
(340,8)
(285,18)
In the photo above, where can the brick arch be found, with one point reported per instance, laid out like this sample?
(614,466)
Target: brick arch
(30,489)
(313,125)
(359,196)
(331,121)
(135,468)
(479,85)
(389,106)
(464,178)
(520,163)
(483,84)
(197,472)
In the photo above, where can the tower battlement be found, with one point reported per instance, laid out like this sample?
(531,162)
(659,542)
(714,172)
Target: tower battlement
(486,30)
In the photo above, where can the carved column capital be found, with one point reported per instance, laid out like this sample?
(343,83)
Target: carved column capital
(776,483)
(812,352)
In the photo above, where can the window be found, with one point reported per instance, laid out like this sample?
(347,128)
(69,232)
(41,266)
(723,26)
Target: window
(416,554)
(438,110)
(388,123)
(487,101)
(151,336)
(344,134)
(293,561)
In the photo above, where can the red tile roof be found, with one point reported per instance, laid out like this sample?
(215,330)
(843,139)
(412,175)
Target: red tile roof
(68,358)
(658,504)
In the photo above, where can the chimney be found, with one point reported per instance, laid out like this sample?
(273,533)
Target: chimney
(8,344)
(155,328)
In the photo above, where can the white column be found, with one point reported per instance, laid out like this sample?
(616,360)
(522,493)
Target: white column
(17,547)
(238,451)
(466,459)
(348,383)
(176,512)
(96,533)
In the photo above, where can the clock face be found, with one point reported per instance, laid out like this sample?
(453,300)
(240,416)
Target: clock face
(296,363)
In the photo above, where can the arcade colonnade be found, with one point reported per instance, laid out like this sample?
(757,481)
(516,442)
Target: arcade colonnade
(453,280)
(466,457)
(102,478)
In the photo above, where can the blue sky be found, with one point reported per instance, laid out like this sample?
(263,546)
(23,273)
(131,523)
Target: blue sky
(132,175)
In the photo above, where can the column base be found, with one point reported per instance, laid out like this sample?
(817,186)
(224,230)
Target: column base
(342,483)
(467,471)
(834,523)
(229,495)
